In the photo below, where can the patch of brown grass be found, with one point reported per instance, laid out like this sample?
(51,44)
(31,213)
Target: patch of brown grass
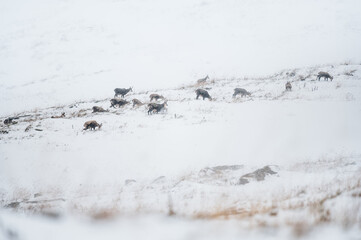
(300,229)
(234,212)
(315,207)
(105,214)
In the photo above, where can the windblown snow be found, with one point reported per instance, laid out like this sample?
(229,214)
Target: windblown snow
(276,164)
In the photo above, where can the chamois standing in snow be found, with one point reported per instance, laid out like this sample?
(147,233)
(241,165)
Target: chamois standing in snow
(202,80)
(156,107)
(241,91)
(9,120)
(136,102)
(203,93)
(61,116)
(92,125)
(119,102)
(122,91)
(99,109)
(288,86)
(325,75)
(155,96)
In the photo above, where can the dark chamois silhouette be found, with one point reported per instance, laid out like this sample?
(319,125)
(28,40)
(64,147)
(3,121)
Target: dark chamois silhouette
(155,96)
(156,107)
(99,109)
(288,86)
(92,125)
(203,93)
(325,75)
(122,91)
(241,91)
(120,102)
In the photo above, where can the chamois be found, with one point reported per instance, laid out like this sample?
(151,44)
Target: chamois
(241,91)
(156,107)
(122,91)
(99,109)
(155,96)
(119,102)
(9,120)
(92,125)
(203,93)
(288,86)
(325,75)
(136,102)
(202,80)
(61,116)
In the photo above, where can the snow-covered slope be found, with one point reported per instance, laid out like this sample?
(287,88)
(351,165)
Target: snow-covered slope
(276,158)
(276,164)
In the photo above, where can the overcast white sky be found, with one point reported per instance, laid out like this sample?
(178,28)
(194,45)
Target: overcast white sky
(51,49)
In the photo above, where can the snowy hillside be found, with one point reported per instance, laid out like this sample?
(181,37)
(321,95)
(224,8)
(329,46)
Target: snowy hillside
(276,164)
(276,158)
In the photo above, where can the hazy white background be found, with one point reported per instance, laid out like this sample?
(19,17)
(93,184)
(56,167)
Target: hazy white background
(58,51)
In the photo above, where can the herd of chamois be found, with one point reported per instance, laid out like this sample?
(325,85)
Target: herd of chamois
(155,107)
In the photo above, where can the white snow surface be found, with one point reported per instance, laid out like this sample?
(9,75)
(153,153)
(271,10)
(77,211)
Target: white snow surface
(193,171)
(191,162)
